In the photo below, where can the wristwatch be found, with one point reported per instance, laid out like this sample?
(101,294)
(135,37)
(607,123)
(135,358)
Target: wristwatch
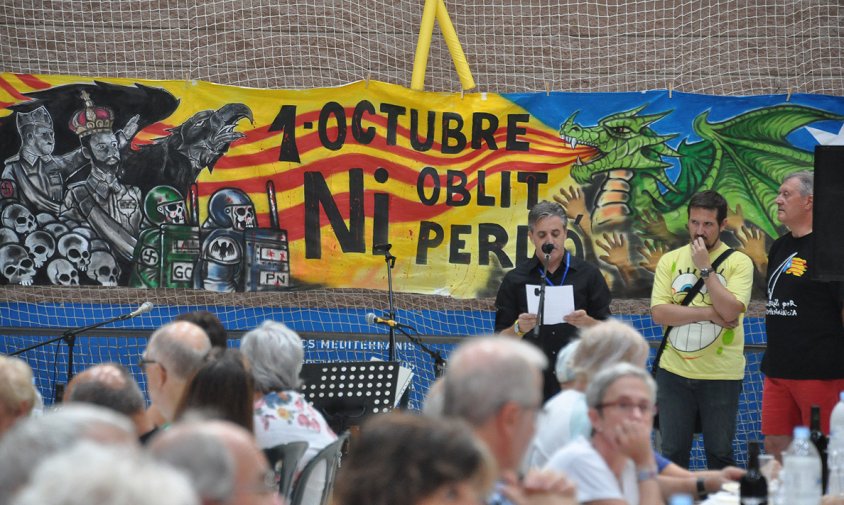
(643,474)
(704,273)
(519,333)
(701,489)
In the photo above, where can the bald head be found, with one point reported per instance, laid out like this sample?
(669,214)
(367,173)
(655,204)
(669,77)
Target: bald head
(254,480)
(198,451)
(174,353)
(110,385)
(179,346)
(223,459)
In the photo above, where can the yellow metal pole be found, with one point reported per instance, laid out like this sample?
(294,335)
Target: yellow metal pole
(453,42)
(423,45)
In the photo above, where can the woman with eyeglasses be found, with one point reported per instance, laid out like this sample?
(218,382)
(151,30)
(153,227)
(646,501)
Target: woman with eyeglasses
(564,416)
(616,466)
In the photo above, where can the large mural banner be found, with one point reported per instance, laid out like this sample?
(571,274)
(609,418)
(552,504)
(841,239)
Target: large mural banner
(184,184)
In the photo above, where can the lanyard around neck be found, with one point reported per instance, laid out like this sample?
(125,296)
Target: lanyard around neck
(565,272)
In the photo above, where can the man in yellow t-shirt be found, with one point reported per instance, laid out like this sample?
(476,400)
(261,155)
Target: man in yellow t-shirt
(702,367)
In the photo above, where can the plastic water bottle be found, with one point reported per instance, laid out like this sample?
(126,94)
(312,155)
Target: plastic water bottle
(802,466)
(776,490)
(835,450)
(681,499)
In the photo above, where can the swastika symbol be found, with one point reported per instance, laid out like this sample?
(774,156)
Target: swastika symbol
(7,188)
(149,256)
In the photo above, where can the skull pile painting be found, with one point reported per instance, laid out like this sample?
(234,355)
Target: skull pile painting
(85,202)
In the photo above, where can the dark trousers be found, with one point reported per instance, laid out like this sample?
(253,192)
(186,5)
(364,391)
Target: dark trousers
(681,400)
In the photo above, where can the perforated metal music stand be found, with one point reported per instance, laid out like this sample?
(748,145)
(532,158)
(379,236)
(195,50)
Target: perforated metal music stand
(347,392)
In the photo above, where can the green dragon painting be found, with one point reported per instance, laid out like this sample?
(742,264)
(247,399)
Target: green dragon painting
(744,158)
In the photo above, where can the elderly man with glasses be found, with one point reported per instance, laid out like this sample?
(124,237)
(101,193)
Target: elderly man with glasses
(174,352)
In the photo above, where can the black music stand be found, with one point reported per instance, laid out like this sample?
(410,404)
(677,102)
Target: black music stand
(347,392)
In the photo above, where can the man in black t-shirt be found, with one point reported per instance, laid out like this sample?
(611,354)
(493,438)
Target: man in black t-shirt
(547,225)
(805,325)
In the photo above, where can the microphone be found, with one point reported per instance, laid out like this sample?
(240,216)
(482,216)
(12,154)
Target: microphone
(373,319)
(547,247)
(143,309)
(381,248)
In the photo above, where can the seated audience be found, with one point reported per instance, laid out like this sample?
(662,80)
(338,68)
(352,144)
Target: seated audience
(563,368)
(110,385)
(401,458)
(432,405)
(564,416)
(282,414)
(35,439)
(222,461)
(222,387)
(92,474)
(210,323)
(17,394)
(616,466)
(173,354)
(495,385)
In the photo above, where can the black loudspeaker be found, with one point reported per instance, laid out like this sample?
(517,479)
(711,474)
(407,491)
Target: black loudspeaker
(827,224)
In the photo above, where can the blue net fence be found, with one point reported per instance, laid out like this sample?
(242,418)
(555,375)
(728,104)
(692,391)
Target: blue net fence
(330,334)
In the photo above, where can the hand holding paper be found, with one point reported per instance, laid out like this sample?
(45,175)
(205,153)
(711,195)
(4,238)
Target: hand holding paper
(559,302)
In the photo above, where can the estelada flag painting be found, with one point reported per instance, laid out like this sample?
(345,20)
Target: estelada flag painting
(195,185)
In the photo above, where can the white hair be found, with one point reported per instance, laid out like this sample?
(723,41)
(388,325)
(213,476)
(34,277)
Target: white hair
(203,457)
(34,439)
(563,369)
(486,373)
(91,474)
(276,355)
(607,343)
(805,181)
(597,389)
(16,383)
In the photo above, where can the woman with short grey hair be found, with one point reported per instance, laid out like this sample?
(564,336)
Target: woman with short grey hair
(616,464)
(565,415)
(282,413)
(276,355)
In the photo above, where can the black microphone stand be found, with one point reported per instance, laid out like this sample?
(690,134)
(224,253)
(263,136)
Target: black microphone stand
(69,337)
(439,361)
(391,262)
(540,316)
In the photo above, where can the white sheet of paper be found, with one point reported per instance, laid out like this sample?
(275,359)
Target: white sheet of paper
(559,302)
(404,378)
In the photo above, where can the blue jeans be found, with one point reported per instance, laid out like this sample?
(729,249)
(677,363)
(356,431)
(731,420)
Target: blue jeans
(681,400)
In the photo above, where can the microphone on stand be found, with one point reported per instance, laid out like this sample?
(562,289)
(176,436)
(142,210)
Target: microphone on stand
(373,319)
(381,248)
(439,361)
(547,248)
(143,309)
(69,336)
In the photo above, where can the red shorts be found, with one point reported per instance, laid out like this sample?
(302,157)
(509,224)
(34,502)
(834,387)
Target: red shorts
(787,403)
